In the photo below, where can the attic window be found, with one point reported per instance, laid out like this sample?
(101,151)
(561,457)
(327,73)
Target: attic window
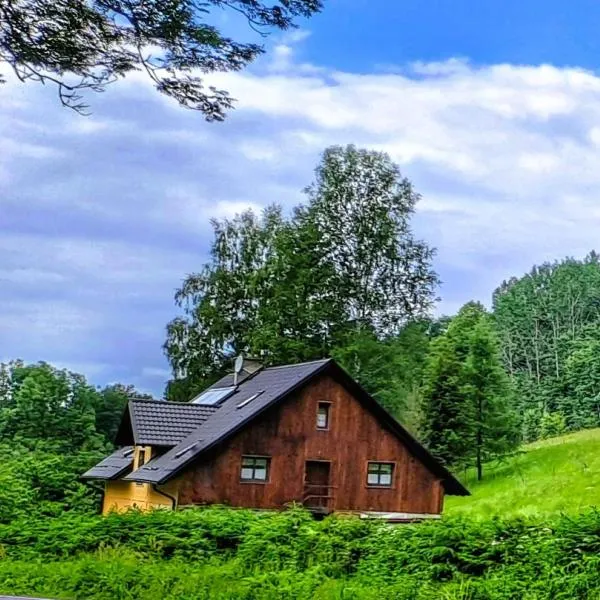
(141,457)
(248,400)
(323,415)
(213,396)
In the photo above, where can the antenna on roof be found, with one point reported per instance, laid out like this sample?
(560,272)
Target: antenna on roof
(237,367)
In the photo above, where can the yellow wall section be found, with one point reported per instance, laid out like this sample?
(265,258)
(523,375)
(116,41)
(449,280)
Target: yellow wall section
(122,495)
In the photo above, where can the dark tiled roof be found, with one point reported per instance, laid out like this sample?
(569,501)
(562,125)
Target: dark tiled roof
(273,384)
(112,466)
(227,381)
(153,423)
(161,423)
(230,379)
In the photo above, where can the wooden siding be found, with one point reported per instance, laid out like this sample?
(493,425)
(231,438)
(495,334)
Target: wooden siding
(288,434)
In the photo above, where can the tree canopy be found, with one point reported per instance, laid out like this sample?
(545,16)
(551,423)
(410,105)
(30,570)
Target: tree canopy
(41,402)
(81,45)
(54,426)
(292,289)
(548,322)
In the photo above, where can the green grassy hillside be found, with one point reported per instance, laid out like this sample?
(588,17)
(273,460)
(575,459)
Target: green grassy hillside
(559,475)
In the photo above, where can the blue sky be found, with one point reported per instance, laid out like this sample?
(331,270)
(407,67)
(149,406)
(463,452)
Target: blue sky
(358,34)
(491,108)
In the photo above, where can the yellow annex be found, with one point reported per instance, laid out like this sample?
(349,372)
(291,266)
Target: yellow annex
(122,495)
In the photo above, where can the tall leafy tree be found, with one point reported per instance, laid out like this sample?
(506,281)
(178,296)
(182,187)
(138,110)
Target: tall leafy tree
(361,207)
(80,45)
(260,293)
(293,289)
(41,402)
(52,404)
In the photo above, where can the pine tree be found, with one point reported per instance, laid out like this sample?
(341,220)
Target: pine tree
(468,409)
(487,390)
(581,404)
(447,417)
(389,368)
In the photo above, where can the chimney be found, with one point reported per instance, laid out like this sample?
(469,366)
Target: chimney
(244,367)
(251,365)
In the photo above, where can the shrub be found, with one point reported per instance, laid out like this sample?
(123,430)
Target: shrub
(222,554)
(552,425)
(531,425)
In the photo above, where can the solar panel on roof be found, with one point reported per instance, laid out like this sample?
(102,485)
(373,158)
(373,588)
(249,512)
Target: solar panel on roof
(213,396)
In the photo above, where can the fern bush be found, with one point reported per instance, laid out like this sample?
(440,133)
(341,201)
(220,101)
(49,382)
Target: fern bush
(221,553)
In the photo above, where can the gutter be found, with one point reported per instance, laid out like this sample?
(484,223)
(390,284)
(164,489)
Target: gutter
(161,493)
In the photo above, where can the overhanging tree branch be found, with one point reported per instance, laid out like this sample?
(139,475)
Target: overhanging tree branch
(86,45)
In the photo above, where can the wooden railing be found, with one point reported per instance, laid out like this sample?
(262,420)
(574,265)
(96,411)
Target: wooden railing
(318,497)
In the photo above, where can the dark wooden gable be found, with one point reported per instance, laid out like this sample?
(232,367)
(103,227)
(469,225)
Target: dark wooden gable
(287,434)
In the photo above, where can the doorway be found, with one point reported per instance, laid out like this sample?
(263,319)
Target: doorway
(317,485)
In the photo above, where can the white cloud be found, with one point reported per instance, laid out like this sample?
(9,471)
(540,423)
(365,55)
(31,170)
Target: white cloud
(295,36)
(117,206)
(514,139)
(281,58)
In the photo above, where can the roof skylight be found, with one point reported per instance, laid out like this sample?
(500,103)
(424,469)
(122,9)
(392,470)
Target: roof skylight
(213,396)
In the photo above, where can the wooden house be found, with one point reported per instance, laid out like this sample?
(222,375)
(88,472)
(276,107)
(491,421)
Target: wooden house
(268,437)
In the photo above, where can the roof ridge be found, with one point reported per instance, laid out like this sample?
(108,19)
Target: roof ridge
(148,400)
(292,365)
(170,403)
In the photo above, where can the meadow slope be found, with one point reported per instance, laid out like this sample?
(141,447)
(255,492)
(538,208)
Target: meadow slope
(558,475)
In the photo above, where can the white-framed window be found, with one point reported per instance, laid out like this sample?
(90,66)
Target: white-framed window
(380,474)
(323,414)
(255,468)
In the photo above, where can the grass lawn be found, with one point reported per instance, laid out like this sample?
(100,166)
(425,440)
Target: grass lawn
(559,475)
